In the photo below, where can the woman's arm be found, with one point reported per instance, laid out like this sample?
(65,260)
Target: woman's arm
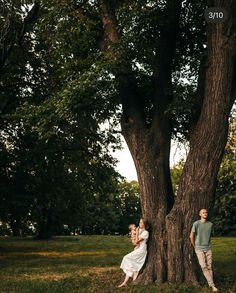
(143,236)
(139,240)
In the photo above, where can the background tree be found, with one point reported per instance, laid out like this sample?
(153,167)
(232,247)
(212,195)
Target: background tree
(51,136)
(176,172)
(129,205)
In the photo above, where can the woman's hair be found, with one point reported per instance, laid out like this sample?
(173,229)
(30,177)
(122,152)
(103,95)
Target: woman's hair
(146,223)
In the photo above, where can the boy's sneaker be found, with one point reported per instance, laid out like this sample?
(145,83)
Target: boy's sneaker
(214,289)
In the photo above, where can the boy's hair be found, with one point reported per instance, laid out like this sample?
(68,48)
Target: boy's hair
(131,225)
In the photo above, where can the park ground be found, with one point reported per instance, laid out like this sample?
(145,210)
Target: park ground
(91,264)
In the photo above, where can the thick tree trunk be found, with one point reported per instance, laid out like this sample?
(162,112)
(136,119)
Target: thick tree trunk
(45,227)
(16,228)
(151,158)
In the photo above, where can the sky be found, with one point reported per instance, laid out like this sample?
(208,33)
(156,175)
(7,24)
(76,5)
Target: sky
(126,167)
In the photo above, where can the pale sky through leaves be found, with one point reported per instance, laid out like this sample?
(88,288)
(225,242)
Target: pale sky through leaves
(126,167)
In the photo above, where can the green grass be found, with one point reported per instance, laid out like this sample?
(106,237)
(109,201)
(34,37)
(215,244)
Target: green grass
(91,264)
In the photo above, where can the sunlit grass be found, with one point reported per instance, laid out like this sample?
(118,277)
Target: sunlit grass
(91,264)
(54,254)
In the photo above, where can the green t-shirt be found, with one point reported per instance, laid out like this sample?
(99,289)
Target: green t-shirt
(202,235)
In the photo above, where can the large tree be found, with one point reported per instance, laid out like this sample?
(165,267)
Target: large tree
(147,127)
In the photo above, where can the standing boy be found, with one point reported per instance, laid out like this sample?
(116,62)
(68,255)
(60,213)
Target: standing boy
(200,238)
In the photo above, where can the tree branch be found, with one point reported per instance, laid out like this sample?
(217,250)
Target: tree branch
(111,34)
(165,53)
(7,43)
(162,94)
(199,95)
(127,84)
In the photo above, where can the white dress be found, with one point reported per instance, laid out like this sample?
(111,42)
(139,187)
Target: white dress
(133,261)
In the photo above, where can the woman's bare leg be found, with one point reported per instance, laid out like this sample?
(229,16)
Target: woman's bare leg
(125,282)
(135,275)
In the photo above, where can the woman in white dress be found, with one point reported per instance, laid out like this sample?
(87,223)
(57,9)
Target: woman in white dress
(133,261)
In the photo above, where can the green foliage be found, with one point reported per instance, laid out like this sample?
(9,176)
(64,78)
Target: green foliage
(176,173)
(54,151)
(129,205)
(225,203)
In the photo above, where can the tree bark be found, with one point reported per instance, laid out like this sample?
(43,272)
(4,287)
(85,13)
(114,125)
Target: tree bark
(45,224)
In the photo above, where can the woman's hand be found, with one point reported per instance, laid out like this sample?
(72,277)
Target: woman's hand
(137,236)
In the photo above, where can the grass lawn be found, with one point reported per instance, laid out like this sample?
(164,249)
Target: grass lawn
(91,264)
